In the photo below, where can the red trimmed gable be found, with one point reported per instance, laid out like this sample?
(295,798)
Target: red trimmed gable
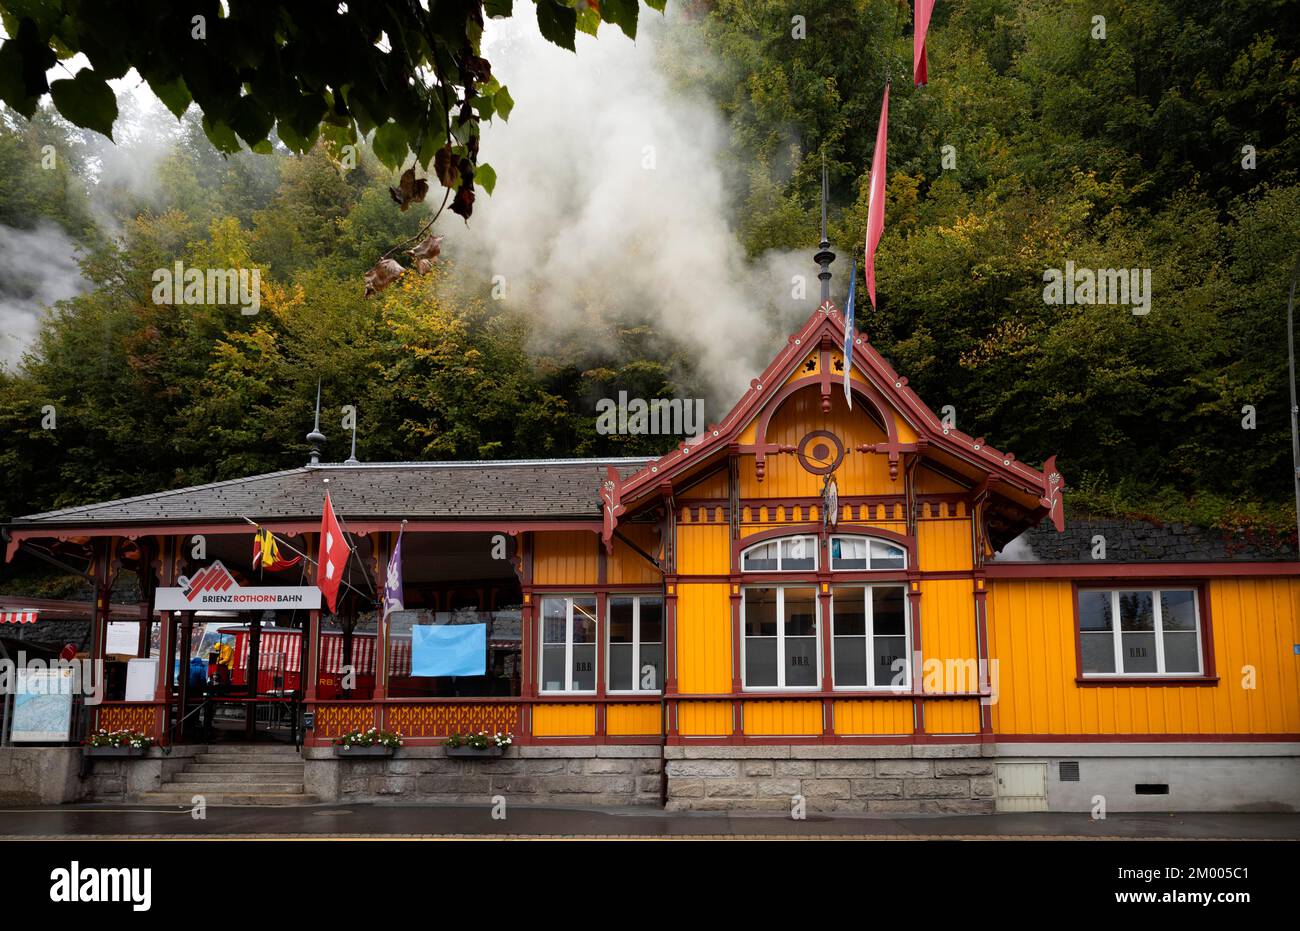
(995,471)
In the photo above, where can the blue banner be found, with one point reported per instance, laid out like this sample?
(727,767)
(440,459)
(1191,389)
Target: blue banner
(449,650)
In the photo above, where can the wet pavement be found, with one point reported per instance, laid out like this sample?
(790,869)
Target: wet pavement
(395,821)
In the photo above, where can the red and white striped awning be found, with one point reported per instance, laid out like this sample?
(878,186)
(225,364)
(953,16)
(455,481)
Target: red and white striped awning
(363,655)
(18,617)
(273,648)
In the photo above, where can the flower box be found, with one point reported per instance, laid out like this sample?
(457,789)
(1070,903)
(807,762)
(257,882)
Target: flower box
(116,751)
(475,752)
(357,751)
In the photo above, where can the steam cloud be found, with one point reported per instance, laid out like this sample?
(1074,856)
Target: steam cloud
(37,268)
(612,208)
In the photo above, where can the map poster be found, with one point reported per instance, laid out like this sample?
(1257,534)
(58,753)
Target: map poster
(42,711)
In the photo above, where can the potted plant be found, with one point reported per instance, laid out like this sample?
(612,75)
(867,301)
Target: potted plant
(478,745)
(371,742)
(118,743)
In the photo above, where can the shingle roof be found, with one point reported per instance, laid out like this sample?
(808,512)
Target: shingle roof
(1130,540)
(554,489)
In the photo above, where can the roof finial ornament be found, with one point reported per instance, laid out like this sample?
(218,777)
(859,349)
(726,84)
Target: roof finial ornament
(316,438)
(824,256)
(352,459)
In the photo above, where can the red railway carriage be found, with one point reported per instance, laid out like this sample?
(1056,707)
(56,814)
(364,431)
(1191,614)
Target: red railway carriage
(280,660)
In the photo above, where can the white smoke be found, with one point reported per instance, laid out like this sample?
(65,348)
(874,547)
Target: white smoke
(37,268)
(1018,550)
(612,208)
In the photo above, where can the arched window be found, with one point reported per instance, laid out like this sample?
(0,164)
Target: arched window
(849,553)
(787,554)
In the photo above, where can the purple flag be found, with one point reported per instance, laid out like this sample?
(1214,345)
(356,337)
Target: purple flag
(393,584)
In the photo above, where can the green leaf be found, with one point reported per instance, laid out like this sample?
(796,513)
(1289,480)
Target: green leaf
(390,145)
(23,63)
(496,8)
(174,94)
(87,100)
(657,5)
(558,23)
(588,20)
(485,177)
(622,13)
(221,135)
(251,121)
(503,103)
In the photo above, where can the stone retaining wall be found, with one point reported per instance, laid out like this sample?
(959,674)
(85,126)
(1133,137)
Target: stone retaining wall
(605,776)
(925,778)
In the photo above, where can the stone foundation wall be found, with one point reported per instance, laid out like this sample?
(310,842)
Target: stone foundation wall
(117,779)
(925,778)
(40,775)
(605,776)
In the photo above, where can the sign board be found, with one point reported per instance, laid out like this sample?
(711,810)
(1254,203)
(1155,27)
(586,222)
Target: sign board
(123,639)
(42,711)
(215,587)
(141,677)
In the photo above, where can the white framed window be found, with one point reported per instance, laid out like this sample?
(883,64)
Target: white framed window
(568,643)
(787,554)
(851,552)
(635,661)
(870,637)
(1140,632)
(780,648)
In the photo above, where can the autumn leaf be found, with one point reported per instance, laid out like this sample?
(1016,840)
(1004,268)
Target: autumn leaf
(385,272)
(409,190)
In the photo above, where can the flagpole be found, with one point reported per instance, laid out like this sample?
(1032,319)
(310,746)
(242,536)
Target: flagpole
(308,559)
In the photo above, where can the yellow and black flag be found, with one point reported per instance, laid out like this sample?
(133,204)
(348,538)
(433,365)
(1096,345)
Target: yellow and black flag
(266,552)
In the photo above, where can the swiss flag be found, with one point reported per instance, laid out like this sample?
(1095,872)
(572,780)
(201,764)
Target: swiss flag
(333,558)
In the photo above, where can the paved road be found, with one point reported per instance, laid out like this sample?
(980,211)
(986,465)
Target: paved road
(412,821)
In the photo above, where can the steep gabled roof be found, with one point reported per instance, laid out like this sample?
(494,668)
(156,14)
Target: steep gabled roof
(983,465)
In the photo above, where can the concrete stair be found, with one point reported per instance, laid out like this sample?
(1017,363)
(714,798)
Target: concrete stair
(237,774)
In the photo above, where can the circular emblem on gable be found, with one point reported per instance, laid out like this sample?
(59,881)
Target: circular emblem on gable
(820,452)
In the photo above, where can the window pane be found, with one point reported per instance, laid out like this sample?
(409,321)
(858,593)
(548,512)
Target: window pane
(1180,652)
(584,666)
(554,619)
(761,557)
(1136,611)
(800,612)
(1178,610)
(889,651)
(584,620)
(1098,651)
(848,553)
(799,553)
(620,619)
(760,661)
(652,679)
(886,556)
(1138,651)
(652,620)
(553,668)
(760,612)
(800,661)
(850,654)
(620,666)
(887,610)
(848,606)
(1094,612)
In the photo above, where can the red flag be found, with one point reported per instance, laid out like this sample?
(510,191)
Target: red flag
(876,197)
(922,26)
(333,557)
